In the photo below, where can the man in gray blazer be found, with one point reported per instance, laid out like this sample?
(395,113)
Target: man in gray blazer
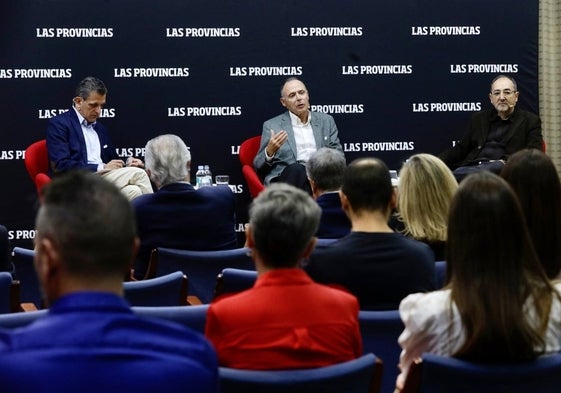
(289,139)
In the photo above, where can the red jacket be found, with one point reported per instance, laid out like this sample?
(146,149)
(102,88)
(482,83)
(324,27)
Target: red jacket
(285,321)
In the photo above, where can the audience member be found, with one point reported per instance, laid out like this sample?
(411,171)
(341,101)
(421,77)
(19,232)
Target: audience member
(76,140)
(285,321)
(177,215)
(90,340)
(325,172)
(377,265)
(496,133)
(5,250)
(499,305)
(289,139)
(534,179)
(426,187)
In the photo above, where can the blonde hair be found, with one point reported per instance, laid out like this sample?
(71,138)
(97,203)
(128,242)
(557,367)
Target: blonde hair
(426,187)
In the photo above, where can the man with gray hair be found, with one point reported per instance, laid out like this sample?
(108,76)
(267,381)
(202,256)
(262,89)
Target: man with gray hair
(325,170)
(177,215)
(286,321)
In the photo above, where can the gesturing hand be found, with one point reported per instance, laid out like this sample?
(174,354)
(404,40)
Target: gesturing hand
(276,141)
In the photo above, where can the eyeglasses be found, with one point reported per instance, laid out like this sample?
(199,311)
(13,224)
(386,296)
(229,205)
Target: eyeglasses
(506,93)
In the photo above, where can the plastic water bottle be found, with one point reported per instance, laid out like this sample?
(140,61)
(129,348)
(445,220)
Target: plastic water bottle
(199,176)
(207,177)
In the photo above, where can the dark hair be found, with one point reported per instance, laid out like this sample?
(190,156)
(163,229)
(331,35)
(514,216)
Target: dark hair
(534,179)
(89,84)
(367,184)
(91,222)
(283,221)
(504,76)
(494,272)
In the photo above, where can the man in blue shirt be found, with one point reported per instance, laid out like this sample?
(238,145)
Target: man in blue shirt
(90,340)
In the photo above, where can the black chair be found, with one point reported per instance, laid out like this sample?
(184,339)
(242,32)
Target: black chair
(439,374)
(24,272)
(168,290)
(234,280)
(360,375)
(380,330)
(201,267)
(193,317)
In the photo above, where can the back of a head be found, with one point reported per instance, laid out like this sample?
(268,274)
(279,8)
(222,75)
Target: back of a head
(367,185)
(326,168)
(91,222)
(534,179)
(493,269)
(283,221)
(426,188)
(166,158)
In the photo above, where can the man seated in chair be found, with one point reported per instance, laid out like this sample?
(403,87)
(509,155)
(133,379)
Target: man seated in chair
(177,215)
(325,172)
(90,340)
(286,321)
(77,140)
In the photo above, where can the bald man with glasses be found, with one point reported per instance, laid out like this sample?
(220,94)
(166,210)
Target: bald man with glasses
(496,133)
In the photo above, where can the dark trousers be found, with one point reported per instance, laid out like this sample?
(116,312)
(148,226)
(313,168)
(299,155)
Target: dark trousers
(494,166)
(294,174)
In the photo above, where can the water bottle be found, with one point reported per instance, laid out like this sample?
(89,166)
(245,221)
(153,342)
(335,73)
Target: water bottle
(207,177)
(199,176)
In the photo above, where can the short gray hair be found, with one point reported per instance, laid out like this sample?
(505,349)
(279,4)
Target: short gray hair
(283,220)
(89,84)
(326,168)
(166,158)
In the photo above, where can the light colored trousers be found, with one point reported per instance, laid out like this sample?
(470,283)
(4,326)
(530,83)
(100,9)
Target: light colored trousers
(130,180)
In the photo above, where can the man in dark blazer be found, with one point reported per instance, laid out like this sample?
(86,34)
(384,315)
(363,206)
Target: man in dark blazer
(289,139)
(177,215)
(77,140)
(325,172)
(496,133)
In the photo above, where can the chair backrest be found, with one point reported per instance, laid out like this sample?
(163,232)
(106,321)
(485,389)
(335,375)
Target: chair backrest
(380,330)
(24,272)
(440,270)
(248,151)
(168,290)
(6,293)
(234,280)
(201,267)
(438,374)
(37,163)
(20,319)
(358,375)
(193,317)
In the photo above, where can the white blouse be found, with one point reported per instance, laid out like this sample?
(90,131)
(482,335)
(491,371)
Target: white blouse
(433,324)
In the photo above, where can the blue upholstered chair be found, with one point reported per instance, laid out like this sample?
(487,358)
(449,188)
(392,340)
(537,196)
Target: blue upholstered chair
(201,267)
(440,269)
(380,330)
(9,294)
(234,280)
(193,317)
(168,290)
(19,319)
(24,272)
(438,374)
(359,375)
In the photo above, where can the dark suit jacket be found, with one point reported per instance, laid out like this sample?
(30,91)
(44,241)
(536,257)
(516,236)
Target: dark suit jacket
(67,147)
(334,222)
(525,132)
(178,216)
(325,134)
